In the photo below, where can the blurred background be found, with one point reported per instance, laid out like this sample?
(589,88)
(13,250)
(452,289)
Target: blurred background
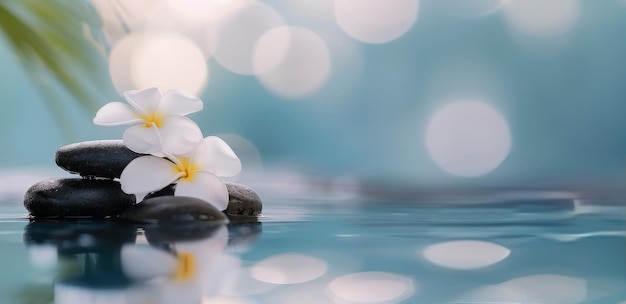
(464,93)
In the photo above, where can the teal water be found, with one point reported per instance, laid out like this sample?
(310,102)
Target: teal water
(464,248)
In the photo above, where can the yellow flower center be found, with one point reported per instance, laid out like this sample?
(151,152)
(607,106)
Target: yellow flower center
(153,118)
(187,168)
(186,268)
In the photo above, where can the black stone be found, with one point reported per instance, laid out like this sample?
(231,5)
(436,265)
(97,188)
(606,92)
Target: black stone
(76,197)
(167,191)
(242,200)
(173,209)
(99,158)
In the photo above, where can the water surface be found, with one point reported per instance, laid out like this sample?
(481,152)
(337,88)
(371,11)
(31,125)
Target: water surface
(489,247)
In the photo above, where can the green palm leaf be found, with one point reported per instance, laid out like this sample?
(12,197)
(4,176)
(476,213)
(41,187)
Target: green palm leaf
(50,38)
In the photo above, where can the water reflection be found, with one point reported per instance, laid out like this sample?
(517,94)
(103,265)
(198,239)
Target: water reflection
(105,261)
(371,287)
(465,254)
(498,248)
(540,288)
(289,269)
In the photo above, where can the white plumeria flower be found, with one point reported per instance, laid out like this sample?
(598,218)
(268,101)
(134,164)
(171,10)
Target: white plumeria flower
(196,174)
(158,122)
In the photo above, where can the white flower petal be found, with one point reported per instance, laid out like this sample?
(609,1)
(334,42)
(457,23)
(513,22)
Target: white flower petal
(204,186)
(145,101)
(178,102)
(148,173)
(179,135)
(140,196)
(142,139)
(215,156)
(116,114)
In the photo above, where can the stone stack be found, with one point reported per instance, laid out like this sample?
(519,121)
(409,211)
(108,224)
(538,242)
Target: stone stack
(97,192)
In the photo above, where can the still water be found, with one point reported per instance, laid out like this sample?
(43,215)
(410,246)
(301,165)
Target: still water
(494,247)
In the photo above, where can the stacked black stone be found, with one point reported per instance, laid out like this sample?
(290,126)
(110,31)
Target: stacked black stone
(97,193)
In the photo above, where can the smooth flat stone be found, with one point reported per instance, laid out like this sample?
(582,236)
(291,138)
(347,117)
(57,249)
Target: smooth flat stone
(244,204)
(76,197)
(173,209)
(242,200)
(100,158)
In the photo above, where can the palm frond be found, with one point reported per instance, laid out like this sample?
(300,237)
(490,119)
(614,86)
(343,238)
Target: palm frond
(49,38)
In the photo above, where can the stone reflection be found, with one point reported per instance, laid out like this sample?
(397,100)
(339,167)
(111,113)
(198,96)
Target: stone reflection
(87,252)
(243,232)
(105,262)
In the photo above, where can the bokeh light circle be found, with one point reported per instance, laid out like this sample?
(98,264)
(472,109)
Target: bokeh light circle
(540,18)
(288,269)
(271,49)
(193,9)
(468,138)
(158,59)
(119,18)
(238,30)
(293,62)
(536,288)
(465,254)
(471,8)
(371,287)
(376,21)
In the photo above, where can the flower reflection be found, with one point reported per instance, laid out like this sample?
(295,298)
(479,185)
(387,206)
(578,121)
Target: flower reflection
(43,256)
(71,294)
(179,271)
(174,264)
(146,262)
